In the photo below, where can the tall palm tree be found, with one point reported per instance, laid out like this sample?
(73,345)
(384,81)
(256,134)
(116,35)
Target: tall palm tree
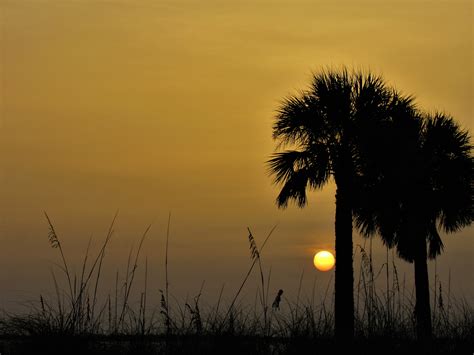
(428,186)
(330,128)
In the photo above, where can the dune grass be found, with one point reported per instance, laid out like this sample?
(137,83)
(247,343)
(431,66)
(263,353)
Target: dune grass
(76,320)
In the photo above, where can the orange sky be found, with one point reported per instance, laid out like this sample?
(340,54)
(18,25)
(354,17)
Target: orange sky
(155,106)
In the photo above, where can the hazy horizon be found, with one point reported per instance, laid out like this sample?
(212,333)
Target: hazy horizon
(151,107)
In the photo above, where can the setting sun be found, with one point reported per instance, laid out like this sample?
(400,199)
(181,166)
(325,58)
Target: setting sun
(324,260)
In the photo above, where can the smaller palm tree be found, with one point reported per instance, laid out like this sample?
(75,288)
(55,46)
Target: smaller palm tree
(428,186)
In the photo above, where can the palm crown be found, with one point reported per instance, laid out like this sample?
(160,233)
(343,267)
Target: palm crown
(426,186)
(335,129)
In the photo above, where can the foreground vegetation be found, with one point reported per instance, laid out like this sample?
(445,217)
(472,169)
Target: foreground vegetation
(78,321)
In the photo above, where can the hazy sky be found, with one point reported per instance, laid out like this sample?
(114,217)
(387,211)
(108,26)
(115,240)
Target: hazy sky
(156,106)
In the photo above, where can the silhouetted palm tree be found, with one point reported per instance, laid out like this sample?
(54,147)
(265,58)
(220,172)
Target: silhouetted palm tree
(331,129)
(428,185)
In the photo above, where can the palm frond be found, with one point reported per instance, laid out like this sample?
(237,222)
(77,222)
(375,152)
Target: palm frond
(435,244)
(450,166)
(333,92)
(299,120)
(297,170)
(284,164)
(294,188)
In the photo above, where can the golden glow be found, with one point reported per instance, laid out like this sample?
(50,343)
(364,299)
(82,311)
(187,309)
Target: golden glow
(155,106)
(324,260)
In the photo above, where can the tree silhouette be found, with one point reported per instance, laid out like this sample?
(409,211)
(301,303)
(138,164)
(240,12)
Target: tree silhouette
(428,185)
(331,129)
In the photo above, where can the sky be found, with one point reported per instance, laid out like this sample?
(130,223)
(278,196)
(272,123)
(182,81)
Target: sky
(151,107)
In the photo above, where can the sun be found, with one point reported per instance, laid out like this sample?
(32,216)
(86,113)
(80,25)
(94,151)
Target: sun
(324,260)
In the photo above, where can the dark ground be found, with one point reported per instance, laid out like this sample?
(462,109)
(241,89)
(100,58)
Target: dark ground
(118,345)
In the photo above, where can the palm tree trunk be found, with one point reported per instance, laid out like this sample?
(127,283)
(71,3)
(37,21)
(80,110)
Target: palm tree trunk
(422,306)
(344,278)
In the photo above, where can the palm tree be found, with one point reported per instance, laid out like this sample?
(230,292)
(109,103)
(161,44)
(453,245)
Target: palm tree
(330,129)
(428,186)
